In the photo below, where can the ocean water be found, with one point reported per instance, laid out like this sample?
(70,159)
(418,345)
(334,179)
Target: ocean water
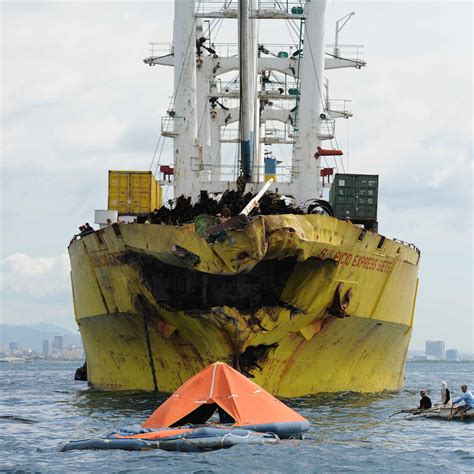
(349,432)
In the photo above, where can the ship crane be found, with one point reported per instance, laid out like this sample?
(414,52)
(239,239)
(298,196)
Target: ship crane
(281,106)
(344,21)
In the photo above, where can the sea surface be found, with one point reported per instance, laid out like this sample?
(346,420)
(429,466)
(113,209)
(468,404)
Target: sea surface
(349,432)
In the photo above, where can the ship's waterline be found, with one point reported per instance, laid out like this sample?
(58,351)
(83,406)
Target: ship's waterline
(338,315)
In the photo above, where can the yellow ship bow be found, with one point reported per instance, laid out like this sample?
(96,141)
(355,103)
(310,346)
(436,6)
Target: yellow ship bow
(302,303)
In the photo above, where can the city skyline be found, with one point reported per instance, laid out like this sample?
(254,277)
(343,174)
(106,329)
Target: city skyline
(59,346)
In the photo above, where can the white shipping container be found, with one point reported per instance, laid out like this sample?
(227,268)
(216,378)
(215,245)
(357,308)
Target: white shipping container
(101,216)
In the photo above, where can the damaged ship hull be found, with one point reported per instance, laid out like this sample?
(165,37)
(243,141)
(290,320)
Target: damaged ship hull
(302,303)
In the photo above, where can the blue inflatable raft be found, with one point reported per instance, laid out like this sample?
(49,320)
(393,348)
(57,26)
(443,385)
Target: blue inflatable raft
(187,439)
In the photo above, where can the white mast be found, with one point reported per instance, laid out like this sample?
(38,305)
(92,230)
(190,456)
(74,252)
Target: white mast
(247,93)
(307,183)
(202,103)
(186,152)
(254,71)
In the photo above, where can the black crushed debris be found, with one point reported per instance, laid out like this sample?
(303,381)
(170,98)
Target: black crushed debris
(253,356)
(229,205)
(81,373)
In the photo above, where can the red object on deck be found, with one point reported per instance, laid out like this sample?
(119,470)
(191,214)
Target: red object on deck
(167,172)
(322,152)
(326,172)
(323,172)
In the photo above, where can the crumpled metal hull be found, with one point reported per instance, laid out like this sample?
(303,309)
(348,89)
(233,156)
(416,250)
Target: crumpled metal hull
(303,304)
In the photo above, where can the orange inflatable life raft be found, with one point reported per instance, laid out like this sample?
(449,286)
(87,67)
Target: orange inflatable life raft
(247,415)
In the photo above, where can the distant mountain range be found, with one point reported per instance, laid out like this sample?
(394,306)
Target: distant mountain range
(32,335)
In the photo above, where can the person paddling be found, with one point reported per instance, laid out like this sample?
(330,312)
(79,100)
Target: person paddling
(468,400)
(425,402)
(445,395)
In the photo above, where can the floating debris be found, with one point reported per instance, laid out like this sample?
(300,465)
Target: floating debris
(17,419)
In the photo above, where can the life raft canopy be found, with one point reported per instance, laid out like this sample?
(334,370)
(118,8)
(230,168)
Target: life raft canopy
(237,399)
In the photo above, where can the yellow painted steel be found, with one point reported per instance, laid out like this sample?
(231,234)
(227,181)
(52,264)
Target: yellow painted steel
(309,348)
(133,192)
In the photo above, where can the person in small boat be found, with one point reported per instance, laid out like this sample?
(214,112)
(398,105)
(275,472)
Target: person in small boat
(445,395)
(468,400)
(425,402)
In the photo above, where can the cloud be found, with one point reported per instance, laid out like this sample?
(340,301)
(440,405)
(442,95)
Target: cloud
(37,277)
(36,289)
(412,105)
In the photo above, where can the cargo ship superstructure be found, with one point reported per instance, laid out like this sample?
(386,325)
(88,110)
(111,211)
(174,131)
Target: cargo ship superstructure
(303,296)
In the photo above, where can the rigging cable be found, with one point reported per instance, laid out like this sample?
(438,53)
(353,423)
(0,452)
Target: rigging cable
(289,31)
(218,150)
(321,95)
(159,156)
(340,158)
(175,92)
(348,145)
(314,65)
(154,153)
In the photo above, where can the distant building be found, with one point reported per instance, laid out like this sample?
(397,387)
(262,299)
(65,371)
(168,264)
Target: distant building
(58,343)
(13,346)
(419,358)
(47,348)
(452,354)
(435,350)
(73,354)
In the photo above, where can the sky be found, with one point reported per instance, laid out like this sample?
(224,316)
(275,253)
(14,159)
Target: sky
(77,100)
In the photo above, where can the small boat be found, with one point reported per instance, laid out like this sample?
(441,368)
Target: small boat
(12,360)
(437,412)
(247,415)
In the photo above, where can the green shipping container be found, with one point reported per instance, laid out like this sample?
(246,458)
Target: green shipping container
(355,196)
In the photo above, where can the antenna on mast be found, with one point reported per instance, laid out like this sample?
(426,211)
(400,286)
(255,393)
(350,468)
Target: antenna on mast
(345,18)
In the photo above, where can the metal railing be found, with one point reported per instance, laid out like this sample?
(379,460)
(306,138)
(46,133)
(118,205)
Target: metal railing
(232,49)
(284,5)
(168,128)
(407,244)
(272,135)
(283,104)
(160,48)
(231,172)
(327,129)
(276,91)
(222,86)
(337,105)
(278,135)
(348,51)
(287,6)
(207,6)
